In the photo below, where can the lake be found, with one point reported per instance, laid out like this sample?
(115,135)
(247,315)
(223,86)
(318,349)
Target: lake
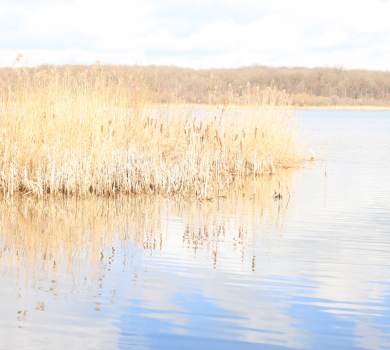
(310,270)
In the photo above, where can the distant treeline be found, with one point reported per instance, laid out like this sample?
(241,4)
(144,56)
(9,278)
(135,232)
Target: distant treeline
(315,86)
(319,86)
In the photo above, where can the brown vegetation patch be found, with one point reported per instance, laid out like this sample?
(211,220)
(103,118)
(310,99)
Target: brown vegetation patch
(91,131)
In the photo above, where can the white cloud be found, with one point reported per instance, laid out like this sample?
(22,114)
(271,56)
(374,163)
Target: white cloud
(200,34)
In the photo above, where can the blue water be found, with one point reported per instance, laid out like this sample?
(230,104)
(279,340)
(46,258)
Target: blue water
(308,272)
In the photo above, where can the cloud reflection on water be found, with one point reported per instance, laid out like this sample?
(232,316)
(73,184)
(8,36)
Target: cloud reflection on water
(306,273)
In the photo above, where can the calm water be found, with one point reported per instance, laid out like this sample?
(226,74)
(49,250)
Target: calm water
(311,271)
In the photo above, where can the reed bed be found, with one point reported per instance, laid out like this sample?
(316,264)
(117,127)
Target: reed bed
(92,132)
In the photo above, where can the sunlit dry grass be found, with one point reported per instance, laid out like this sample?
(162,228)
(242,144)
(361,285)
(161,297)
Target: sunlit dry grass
(94,133)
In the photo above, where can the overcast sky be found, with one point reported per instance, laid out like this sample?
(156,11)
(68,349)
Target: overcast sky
(198,34)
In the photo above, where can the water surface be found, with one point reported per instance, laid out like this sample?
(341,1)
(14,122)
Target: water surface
(308,271)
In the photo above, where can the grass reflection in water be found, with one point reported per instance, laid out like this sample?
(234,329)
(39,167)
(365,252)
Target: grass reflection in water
(77,241)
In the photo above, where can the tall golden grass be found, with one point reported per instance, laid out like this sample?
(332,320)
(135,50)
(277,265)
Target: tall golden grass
(93,132)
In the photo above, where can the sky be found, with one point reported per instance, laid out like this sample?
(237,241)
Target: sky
(197,34)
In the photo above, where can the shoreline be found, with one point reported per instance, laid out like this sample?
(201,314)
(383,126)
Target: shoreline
(347,108)
(232,106)
(220,106)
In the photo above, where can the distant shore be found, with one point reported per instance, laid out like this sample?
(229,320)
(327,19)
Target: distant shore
(352,108)
(208,106)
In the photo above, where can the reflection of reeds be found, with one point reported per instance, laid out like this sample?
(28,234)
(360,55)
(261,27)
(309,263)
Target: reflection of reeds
(93,133)
(82,237)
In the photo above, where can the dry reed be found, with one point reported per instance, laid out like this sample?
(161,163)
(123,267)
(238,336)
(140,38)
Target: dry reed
(105,137)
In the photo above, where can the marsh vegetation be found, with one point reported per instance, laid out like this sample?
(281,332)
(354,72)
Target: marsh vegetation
(96,131)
